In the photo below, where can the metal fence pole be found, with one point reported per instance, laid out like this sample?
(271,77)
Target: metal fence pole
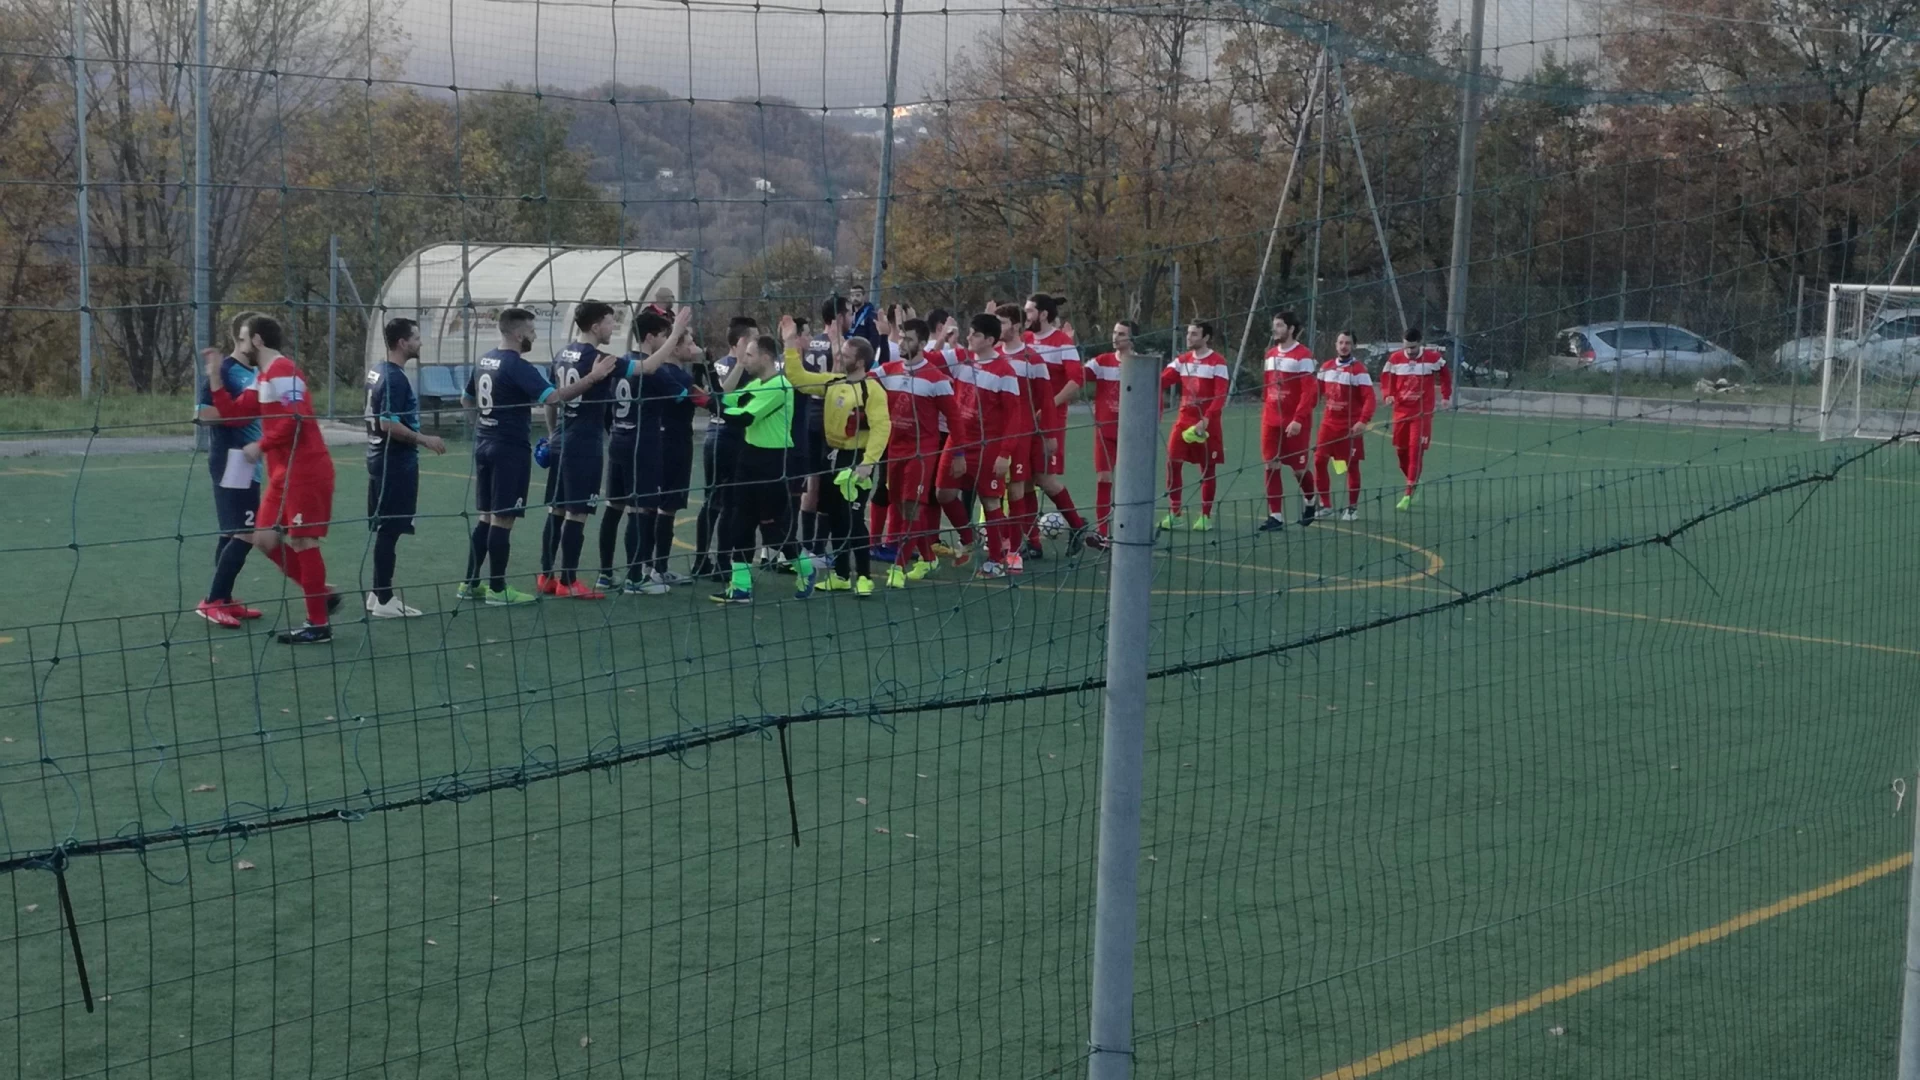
(1619,341)
(1793,362)
(1279,209)
(202,242)
(1319,209)
(333,314)
(1123,738)
(1177,343)
(1463,188)
(886,161)
(1910,993)
(1373,204)
(81,215)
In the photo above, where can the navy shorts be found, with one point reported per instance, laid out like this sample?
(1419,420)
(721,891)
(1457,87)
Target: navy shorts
(676,472)
(573,480)
(393,494)
(633,474)
(501,474)
(234,508)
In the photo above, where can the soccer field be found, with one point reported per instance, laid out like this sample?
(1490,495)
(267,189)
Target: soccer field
(1430,793)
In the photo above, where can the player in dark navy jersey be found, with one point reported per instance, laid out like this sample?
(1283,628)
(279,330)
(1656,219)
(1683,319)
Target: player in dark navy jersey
(633,451)
(576,433)
(503,390)
(393,462)
(719,448)
(233,507)
(680,399)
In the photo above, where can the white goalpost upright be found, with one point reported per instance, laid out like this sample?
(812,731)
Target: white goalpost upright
(1870,361)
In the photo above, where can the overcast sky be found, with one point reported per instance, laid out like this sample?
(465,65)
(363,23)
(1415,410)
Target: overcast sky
(724,49)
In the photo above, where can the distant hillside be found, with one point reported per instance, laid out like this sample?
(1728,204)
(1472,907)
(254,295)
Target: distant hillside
(760,173)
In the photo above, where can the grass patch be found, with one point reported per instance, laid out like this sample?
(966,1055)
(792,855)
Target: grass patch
(25,416)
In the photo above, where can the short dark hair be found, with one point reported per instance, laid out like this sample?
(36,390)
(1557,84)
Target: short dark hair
(739,328)
(766,344)
(832,308)
(1348,333)
(1132,327)
(938,315)
(590,312)
(918,326)
(238,326)
(984,323)
(650,323)
(1048,305)
(1206,328)
(514,316)
(266,329)
(398,330)
(1289,318)
(1412,335)
(862,350)
(1009,313)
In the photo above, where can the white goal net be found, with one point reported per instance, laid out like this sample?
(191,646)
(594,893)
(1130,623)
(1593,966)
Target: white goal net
(1870,362)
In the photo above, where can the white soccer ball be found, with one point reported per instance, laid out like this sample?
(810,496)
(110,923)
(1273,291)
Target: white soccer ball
(1052,525)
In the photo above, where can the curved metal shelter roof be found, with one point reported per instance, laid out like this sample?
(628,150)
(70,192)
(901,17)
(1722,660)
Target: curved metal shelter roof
(456,291)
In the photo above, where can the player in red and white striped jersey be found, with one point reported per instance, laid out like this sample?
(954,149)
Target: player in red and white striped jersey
(1417,381)
(1065,376)
(1286,419)
(960,449)
(1006,420)
(1202,376)
(297,502)
(919,397)
(1026,462)
(1104,370)
(1347,390)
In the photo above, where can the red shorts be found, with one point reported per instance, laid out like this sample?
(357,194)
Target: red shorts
(1106,446)
(1019,452)
(1290,450)
(944,477)
(1213,450)
(1054,464)
(1340,444)
(1412,431)
(907,476)
(300,502)
(990,481)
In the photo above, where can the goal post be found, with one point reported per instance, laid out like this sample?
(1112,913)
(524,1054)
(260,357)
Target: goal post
(1869,361)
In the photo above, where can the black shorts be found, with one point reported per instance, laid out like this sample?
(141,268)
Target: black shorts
(501,473)
(718,452)
(234,508)
(393,495)
(633,474)
(676,471)
(573,479)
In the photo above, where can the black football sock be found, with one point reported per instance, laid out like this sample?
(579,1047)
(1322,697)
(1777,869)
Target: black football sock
(477,552)
(640,532)
(633,545)
(549,542)
(609,537)
(662,540)
(385,548)
(499,544)
(703,534)
(573,537)
(232,558)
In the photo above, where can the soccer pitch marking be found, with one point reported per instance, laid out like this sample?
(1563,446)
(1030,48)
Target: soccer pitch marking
(1632,965)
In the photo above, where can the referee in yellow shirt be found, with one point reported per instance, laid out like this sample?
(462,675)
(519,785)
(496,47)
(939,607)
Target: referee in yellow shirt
(856,428)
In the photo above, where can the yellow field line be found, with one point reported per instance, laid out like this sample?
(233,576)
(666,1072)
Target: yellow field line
(1638,962)
(1723,628)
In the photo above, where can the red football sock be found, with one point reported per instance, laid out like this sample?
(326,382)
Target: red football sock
(279,555)
(1103,504)
(1417,455)
(1322,479)
(877,521)
(999,534)
(1276,491)
(313,582)
(956,511)
(1308,488)
(1063,502)
(1173,486)
(1026,516)
(1353,483)
(1209,484)
(891,532)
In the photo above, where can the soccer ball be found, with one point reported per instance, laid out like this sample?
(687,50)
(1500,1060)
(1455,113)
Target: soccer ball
(1052,525)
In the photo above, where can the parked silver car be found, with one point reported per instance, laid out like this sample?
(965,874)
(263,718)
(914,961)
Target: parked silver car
(1644,348)
(1891,346)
